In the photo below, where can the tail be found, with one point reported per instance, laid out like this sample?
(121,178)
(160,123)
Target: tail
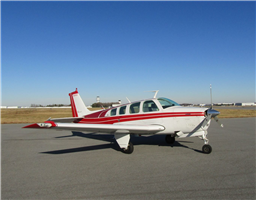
(77,105)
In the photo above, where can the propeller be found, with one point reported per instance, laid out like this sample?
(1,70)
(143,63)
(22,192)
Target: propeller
(213,113)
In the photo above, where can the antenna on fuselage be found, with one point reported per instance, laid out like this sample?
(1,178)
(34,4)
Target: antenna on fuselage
(155,91)
(128,100)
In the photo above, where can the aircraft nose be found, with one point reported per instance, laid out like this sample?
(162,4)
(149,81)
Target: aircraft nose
(212,112)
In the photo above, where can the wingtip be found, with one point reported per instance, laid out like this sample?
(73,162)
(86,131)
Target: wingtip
(46,124)
(32,126)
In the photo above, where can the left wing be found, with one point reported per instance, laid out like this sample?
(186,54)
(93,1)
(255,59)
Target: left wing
(97,128)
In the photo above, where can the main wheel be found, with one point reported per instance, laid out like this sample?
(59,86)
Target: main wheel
(207,149)
(129,149)
(169,139)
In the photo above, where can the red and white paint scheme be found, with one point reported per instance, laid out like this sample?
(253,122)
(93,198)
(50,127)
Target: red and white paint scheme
(145,117)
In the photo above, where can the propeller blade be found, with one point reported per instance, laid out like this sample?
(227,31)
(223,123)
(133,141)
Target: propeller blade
(217,120)
(211,113)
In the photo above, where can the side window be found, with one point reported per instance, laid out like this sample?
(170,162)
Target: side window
(122,110)
(113,112)
(135,107)
(150,106)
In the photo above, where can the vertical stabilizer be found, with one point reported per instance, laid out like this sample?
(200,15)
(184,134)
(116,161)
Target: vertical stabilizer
(77,105)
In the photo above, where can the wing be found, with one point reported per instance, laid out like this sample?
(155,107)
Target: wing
(100,128)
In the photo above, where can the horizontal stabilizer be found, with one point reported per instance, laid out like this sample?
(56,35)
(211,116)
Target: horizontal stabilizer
(67,120)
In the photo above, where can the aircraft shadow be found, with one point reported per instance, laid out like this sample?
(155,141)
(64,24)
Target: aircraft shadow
(136,140)
(160,141)
(80,149)
(102,137)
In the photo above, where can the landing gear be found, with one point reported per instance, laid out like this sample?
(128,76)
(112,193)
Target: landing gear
(169,139)
(123,140)
(207,149)
(129,149)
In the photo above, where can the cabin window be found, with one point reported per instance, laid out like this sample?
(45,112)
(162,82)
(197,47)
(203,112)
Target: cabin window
(122,110)
(150,106)
(113,112)
(165,103)
(135,107)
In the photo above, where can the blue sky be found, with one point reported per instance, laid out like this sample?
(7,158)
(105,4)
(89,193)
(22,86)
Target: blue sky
(119,49)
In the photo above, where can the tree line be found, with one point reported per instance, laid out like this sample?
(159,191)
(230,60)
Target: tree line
(50,105)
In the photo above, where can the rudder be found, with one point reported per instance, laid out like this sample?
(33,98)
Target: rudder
(77,105)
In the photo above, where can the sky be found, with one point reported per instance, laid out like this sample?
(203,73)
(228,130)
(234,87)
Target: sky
(126,49)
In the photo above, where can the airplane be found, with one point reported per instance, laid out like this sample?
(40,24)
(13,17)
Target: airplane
(145,117)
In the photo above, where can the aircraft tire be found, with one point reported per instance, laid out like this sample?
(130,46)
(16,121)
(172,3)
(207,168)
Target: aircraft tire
(129,149)
(207,149)
(169,139)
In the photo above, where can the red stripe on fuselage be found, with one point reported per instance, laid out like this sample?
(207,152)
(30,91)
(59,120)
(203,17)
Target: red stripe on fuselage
(94,119)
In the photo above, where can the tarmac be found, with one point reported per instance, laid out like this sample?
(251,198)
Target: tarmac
(49,164)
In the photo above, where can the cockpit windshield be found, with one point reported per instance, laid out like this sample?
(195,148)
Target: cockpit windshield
(165,103)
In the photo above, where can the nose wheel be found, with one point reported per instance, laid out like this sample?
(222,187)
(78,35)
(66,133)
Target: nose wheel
(207,149)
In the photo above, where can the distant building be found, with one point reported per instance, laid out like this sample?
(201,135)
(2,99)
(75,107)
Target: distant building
(248,104)
(117,104)
(187,104)
(12,107)
(97,99)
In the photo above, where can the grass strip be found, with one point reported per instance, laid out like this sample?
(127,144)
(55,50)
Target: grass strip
(36,115)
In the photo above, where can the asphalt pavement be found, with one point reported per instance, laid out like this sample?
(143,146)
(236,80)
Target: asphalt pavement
(49,164)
